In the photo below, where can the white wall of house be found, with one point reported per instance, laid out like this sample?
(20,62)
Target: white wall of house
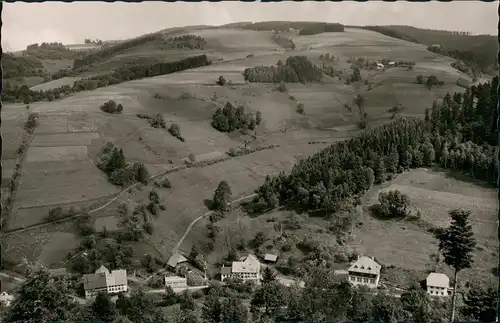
(365,281)
(437,291)
(176,282)
(114,289)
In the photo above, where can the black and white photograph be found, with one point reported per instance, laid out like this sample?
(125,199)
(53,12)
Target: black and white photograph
(241,162)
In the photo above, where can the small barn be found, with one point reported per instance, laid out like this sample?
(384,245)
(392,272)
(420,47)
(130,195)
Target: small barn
(176,259)
(270,258)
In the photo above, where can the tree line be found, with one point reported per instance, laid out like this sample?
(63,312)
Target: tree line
(21,66)
(107,52)
(456,134)
(323,27)
(295,69)
(322,299)
(483,47)
(126,73)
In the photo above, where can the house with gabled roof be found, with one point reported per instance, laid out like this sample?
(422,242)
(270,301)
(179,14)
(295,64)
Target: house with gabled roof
(247,269)
(176,259)
(104,280)
(437,284)
(365,271)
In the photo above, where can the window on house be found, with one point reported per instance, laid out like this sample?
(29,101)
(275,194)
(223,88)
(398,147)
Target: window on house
(372,281)
(359,279)
(365,280)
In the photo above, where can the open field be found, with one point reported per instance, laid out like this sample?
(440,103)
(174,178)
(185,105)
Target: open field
(56,154)
(434,194)
(60,164)
(407,245)
(54,182)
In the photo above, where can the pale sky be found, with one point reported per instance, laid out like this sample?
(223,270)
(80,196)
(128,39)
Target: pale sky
(71,23)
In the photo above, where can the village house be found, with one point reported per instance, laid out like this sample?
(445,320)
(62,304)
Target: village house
(176,259)
(380,66)
(248,269)
(103,280)
(365,271)
(175,282)
(270,258)
(6,299)
(437,284)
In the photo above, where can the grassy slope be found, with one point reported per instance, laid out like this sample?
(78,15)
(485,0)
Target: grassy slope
(326,118)
(485,47)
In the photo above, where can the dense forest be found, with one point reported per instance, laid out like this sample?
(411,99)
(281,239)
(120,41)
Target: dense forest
(458,133)
(21,66)
(482,49)
(51,51)
(295,69)
(311,27)
(107,52)
(321,28)
(126,73)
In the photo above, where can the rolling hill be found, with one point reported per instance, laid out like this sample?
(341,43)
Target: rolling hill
(58,164)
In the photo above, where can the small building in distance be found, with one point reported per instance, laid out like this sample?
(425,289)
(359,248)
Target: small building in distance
(380,66)
(103,280)
(247,270)
(270,258)
(6,299)
(175,282)
(176,259)
(365,271)
(437,284)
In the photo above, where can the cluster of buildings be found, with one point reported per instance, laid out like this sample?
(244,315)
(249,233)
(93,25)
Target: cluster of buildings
(365,271)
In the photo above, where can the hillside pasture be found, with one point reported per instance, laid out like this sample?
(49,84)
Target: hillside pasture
(13,119)
(66,139)
(193,188)
(234,40)
(68,80)
(433,193)
(64,181)
(54,65)
(30,244)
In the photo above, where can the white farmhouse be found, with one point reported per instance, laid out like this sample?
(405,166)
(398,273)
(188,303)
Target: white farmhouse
(380,66)
(365,271)
(247,270)
(175,282)
(437,284)
(6,299)
(103,280)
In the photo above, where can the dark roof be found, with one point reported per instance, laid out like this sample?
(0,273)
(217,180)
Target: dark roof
(93,281)
(176,258)
(225,271)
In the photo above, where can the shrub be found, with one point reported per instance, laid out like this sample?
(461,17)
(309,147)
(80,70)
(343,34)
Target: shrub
(393,204)
(175,131)
(31,123)
(148,227)
(221,81)
(300,108)
(157,121)
(111,107)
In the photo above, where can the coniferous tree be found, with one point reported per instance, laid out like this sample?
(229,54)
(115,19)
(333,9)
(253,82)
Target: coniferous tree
(222,196)
(457,244)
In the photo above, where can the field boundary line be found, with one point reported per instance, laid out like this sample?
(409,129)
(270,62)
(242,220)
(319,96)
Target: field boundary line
(190,226)
(200,164)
